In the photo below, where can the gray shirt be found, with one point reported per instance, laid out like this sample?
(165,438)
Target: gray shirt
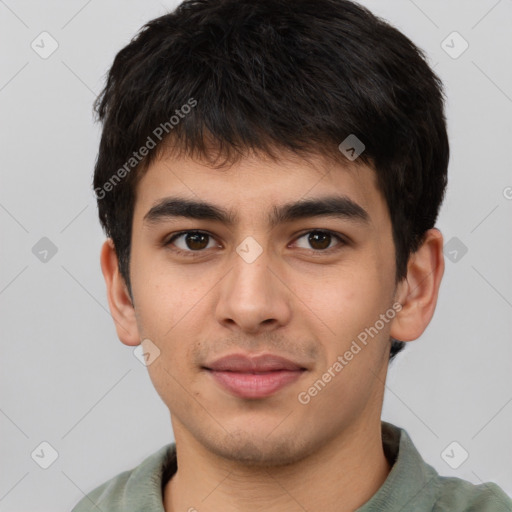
(411,486)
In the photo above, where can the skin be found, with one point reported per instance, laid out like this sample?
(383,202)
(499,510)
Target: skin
(294,300)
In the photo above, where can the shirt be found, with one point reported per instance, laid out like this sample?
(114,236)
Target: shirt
(411,486)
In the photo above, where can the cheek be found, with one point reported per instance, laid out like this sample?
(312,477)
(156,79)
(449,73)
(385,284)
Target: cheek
(168,382)
(164,297)
(170,306)
(344,301)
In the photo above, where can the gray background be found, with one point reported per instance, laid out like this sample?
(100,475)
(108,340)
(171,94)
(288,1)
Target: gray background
(65,377)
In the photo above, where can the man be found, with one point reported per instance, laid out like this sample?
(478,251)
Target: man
(269,177)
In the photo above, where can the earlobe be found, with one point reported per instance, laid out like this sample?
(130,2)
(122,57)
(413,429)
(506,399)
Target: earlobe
(418,292)
(119,300)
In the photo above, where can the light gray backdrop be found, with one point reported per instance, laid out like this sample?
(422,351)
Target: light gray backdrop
(68,381)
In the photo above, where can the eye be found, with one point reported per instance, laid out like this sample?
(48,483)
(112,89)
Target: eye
(190,242)
(321,240)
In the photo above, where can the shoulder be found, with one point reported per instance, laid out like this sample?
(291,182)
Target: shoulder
(461,495)
(412,481)
(111,492)
(132,489)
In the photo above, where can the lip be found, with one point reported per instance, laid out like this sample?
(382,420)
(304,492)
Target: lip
(254,376)
(245,364)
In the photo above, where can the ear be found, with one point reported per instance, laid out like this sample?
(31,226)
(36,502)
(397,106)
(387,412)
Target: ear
(119,301)
(418,291)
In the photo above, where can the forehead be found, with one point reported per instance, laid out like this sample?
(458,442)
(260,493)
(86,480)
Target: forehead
(254,186)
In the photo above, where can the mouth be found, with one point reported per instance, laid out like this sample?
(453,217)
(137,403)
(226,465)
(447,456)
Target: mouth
(254,377)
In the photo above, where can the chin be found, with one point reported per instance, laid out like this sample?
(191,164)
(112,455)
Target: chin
(249,449)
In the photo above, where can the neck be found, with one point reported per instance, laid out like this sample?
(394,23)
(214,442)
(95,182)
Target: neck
(341,476)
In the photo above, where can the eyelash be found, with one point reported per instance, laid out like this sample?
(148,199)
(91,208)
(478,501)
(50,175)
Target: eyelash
(195,254)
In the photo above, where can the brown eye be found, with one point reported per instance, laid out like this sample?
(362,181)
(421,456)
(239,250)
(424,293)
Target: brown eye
(196,241)
(320,240)
(191,241)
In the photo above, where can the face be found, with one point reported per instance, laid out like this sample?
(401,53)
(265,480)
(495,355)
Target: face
(307,284)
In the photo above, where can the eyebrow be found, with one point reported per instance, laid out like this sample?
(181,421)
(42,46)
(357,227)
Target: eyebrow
(341,207)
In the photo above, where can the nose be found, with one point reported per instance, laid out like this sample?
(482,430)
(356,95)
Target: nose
(253,297)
